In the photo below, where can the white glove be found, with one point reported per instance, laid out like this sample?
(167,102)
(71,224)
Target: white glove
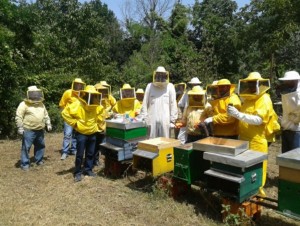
(49,127)
(208,120)
(172,125)
(20,130)
(232,111)
(250,119)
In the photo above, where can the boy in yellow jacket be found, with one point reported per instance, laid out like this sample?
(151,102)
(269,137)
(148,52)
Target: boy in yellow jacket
(86,116)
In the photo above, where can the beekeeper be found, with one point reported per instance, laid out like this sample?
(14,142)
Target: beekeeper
(290,122)
(159,108)
(108,101)
(128,104)
(140,95)
(183,103)
(221,94)
(255,116)
(86,116)
(68,97)
(31,119)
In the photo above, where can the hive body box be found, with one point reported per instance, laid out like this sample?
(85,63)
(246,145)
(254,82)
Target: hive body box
(289,182)
(189,165)
(237,176)
(122,139)
(155,155)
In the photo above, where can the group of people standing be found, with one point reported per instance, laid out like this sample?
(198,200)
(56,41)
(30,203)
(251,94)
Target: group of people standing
(244,113)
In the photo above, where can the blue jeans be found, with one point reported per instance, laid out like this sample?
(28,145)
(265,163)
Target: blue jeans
(85,143)
(35,137)
(289,140)
(69,142)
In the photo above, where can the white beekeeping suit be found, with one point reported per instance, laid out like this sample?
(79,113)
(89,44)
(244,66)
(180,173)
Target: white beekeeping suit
(159,108)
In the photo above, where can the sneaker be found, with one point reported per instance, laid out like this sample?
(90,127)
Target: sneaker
(40,163)
(63,156)
(77,178)
(25,168)
(90,174)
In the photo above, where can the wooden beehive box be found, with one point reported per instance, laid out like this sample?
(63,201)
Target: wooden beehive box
(189,165)
(289,182)
(289,165)
(236,176)
(128,130)
(155,155)
(221,145)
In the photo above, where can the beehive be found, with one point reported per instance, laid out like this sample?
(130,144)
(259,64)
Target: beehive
(189,165)
(237,176)
(125,131)
(155,155)
(289,182)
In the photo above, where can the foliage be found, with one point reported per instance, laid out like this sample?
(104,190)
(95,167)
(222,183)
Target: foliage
(48,43)
(231,219)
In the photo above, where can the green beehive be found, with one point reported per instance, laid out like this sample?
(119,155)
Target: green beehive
(189,165)
(289,182)
(237,176)
(125,131)
(288,197)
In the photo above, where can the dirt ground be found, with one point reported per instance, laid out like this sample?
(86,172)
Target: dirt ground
(47,195)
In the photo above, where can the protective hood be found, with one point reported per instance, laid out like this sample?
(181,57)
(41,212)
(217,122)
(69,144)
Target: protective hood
(289,83)
(140,95)
(180,89)
(197,97)
(103,90)
(253,86)
(220,89)
(77,86)
(90,97)
(34,95)
(195,81)
(160,77)
(105,84)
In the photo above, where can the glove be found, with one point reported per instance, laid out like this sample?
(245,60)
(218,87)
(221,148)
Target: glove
(172,125)
(232,111)
(208,120)
(20,130)
(294,117)
(49,128)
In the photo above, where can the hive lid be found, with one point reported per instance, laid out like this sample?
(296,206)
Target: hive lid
(124,125)
(221,145)
(158,143)
(290,159)
(145,154)
(243,160)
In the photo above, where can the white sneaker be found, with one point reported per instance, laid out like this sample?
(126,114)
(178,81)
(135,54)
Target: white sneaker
(63,156)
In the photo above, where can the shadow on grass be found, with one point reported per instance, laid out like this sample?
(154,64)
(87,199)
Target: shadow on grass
(32,161)
(67,171)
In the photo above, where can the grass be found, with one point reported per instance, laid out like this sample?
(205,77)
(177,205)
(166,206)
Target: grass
(47,195)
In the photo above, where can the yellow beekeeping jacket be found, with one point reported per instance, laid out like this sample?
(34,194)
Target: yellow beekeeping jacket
(66,99)
(85,119)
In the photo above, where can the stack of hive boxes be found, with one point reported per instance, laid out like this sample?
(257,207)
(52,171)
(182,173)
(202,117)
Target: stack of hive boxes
(289,182)
(234,170)
(122,139)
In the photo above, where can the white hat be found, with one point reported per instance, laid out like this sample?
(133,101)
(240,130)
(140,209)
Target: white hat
(33,88)
(161,69)
(290,75)
(195,80)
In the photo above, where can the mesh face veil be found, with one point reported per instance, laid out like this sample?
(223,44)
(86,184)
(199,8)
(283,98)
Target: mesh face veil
(35,95)
(253,87)
(218,91)
(179,89)
(78,86)
(127,93)
(104,91)
(90,99)
(139,96)
(197,100)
